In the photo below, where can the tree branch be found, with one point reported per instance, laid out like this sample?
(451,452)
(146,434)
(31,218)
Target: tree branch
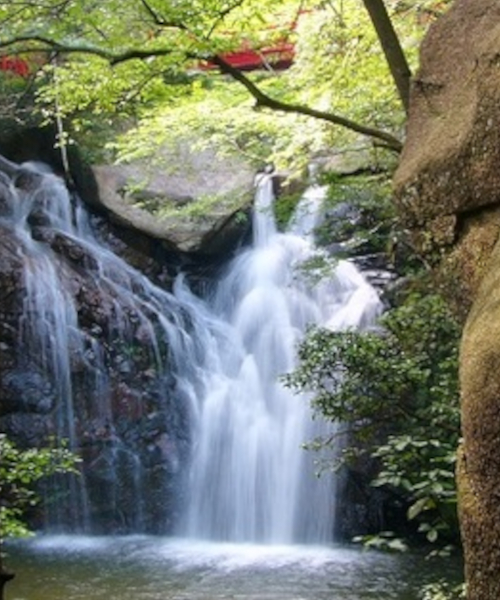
(159,20)
(391,46)
(61,47)
(222,15)
(263,100)
(49,43)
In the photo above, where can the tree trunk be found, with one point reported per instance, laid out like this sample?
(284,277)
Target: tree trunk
(394,54)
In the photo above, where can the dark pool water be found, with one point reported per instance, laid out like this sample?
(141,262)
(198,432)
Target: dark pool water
(151,568)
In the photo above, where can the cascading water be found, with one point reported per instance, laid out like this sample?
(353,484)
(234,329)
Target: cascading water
(251,480)
(143,382)
(115,359)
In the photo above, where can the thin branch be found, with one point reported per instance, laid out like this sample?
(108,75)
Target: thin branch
(222,15)
(60,47)
(152,13)
(159,20)
(143,55)
(263,100)
(49,43)
(229,9)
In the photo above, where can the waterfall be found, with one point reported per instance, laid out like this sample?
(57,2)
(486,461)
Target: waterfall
(148,385)
(117,360)
(251,480)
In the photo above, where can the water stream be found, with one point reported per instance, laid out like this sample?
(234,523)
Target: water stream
(122,360)
(251,480)
(145,568)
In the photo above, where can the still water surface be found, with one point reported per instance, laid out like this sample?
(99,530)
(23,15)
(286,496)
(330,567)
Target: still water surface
(151,568)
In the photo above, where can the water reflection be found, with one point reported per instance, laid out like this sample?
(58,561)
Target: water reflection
(149,568)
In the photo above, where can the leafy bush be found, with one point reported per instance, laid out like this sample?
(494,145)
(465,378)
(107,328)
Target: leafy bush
(397,390)
(442,590)
(20,470)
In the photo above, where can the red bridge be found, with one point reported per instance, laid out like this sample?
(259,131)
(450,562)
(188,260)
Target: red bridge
(278,56)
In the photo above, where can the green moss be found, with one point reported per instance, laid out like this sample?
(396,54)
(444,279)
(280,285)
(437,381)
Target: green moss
(284,208)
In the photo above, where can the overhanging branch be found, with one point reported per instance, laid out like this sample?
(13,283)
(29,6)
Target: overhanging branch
(263,100)
(45,43)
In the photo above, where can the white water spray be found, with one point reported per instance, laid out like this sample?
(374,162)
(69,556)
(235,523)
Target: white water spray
(251,480)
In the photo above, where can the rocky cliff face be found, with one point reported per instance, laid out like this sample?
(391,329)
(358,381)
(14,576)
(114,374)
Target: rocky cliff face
(448,190)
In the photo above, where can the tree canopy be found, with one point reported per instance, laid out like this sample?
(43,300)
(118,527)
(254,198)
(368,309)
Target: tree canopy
(144,59)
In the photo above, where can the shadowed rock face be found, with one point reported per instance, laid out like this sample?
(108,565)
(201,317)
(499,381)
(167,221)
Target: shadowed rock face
(131,421)
(128,419)
(448,189)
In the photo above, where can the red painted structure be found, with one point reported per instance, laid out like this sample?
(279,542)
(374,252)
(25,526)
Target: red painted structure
(14,64)
(278,56)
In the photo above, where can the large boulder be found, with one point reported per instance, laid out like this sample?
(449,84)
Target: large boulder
(448,189)
(191,201)
(479,467)
(184,200)
(448,177)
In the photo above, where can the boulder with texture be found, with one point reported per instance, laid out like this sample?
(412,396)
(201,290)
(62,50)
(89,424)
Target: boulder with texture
(200,204)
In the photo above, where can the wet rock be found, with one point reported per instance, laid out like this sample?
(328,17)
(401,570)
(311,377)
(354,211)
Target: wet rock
(27,179)
(26,391)
(28,430)
(73,251)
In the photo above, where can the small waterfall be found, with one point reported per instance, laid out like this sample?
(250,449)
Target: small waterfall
(251,480)
(143,382)
(118,361)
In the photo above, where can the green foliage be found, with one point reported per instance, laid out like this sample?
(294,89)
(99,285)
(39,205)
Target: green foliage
(424,470)
(20,470)
(319,266)
(123,61)
(284,207)
(397,390)
(443,590)
(386,541)
(373,221)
